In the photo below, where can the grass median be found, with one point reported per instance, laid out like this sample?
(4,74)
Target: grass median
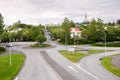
(73,56)
(77,55)
(7,71)
(95,51)
(106,62)
(40,46)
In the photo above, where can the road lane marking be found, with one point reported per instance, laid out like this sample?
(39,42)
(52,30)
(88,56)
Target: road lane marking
(70,67)
(78,65)
(16,78)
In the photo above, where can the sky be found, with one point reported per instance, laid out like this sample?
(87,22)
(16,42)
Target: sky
(54,11)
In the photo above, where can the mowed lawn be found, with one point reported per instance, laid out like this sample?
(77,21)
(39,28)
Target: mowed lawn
(7,71)
(106,62)
(95,51)
(77,55)
(73,56)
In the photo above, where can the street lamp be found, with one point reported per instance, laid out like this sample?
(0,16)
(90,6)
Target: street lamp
(65,38)
(105,28)
(10,50)
(105,41)
(9,45)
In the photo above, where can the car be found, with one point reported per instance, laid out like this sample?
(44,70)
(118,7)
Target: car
(9,45)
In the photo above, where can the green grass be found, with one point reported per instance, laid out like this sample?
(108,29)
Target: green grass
(95,51)
(40,46)
(73,56)
(7,71)
(106,62)
(77,55)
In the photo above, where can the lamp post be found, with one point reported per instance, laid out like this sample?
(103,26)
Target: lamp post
(105,41)
(105,28)
(65,38)
(10,48)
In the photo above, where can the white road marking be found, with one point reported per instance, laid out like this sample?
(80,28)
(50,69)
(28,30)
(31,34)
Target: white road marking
(86,71)
(16,78)
(70,67)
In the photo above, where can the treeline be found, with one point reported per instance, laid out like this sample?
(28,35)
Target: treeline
(21,32)
(91,32)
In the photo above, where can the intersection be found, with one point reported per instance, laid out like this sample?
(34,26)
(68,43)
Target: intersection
(49,64)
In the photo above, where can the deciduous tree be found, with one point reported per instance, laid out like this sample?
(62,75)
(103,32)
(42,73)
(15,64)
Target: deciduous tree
(1,24)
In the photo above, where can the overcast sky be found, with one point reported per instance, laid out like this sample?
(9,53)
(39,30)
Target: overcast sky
(54,11)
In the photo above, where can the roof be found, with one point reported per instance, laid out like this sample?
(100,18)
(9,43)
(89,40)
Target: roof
(75,30)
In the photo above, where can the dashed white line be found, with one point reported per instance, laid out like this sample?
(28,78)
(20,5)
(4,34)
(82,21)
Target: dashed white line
(70,67)
(16,78)
(86,71)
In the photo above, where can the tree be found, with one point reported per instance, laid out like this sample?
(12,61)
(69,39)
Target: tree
(41,39)
(5,37)
(94,32)
(35,31)
(111,35)
(1,24)
(109,23)
(117,33)
(113,24)
(66,25)
(26,34)
(118,21)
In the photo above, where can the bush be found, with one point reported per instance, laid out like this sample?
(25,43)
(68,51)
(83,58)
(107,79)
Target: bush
(109,44)
(2,49)
(41,46)
(41,39)
(83,41)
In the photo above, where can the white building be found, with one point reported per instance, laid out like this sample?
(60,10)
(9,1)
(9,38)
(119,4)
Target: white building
(75,32)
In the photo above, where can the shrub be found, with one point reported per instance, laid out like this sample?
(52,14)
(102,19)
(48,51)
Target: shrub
(41,46)
(2,49)
(109,44)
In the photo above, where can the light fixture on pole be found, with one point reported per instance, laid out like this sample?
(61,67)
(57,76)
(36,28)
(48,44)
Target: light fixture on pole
(65,38)
(105,28)
(9,45)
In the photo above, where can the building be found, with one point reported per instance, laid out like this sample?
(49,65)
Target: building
(75,32)
(85,18)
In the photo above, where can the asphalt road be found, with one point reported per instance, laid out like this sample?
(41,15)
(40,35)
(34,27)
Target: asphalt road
(92,64)
(61,71)
(89,68)
(35,67)
(53,66)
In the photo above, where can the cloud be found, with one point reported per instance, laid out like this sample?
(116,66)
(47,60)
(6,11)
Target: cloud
(45,11)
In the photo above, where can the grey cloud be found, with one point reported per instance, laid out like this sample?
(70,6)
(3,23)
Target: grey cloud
(74,9)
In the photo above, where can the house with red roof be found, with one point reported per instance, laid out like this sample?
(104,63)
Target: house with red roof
(75,32)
